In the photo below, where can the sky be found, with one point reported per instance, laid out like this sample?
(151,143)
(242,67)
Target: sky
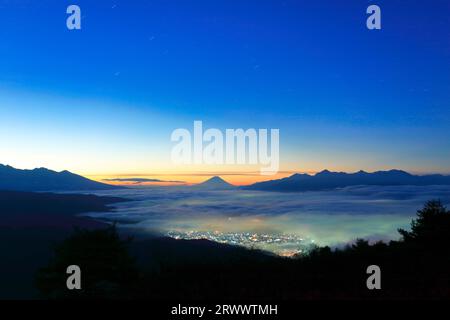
(103,101)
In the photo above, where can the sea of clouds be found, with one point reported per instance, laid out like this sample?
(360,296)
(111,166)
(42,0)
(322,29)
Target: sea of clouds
(329,217)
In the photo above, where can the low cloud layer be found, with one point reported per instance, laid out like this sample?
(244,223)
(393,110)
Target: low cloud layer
(329,217)
(141,180)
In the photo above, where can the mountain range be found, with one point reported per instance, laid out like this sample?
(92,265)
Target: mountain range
(326,180)
(42,179)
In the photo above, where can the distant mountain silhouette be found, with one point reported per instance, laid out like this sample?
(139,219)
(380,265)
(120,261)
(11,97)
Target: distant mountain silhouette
(214,183)
(327,180)
(42,179)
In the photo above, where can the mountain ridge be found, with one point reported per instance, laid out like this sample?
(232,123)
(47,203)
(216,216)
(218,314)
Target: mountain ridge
(43,179)
(326,180)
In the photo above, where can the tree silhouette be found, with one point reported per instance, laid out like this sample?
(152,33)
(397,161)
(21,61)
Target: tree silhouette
(431,229)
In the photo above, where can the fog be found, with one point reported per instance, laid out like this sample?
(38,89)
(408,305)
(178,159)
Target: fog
(327,218)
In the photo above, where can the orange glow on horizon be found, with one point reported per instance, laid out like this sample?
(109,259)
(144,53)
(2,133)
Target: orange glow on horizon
(173,179)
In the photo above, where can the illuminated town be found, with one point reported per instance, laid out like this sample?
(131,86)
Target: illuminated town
(282,244)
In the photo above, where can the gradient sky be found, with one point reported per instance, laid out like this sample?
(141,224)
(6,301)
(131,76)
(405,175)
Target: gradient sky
(104,100)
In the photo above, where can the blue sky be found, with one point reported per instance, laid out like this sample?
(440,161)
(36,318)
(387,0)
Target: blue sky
(105,99)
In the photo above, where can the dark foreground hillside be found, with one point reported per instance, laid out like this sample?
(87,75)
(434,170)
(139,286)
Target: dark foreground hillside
(20,209)
(415,267)
(30,225)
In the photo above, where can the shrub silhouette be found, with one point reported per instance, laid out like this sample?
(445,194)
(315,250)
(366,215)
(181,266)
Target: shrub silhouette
(107,269)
